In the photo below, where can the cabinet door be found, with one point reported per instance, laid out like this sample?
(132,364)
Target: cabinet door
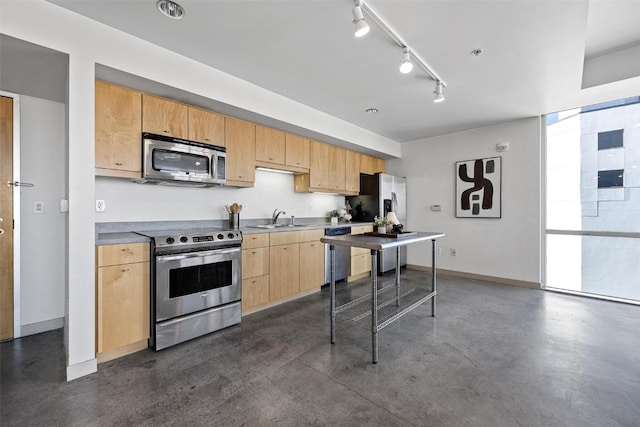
(122,305)
(297,151)
(240,137)
(255,262)
(319,165)
(118,131)
(164,117)
(125,253)
(360,264)
(255,291)
(255,240)
(371,165)
(337,168)
(311,265)
(284,271)
(206,126)
(352,172)
(270,145)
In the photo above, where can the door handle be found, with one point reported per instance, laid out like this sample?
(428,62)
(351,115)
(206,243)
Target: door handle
(19,184)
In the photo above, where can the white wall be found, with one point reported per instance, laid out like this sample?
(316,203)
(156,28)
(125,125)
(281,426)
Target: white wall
(43,236)
(508,247)
(128,201)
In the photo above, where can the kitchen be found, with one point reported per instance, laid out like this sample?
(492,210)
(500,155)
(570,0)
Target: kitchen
(32,22)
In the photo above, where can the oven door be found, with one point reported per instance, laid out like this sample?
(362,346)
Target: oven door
(190,282)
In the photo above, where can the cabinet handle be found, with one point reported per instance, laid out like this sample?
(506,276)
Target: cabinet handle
(126,270)
(118,164)
(165,131)
(126,250)
(254,252)
(207,139)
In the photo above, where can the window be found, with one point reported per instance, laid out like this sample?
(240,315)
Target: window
(613,178)
(611,139)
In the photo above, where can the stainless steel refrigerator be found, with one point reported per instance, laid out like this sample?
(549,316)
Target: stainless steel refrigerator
(379,194)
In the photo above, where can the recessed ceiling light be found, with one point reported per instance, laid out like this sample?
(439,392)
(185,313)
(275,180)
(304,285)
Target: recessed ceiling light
(476,52)
(170,9)
(371,110)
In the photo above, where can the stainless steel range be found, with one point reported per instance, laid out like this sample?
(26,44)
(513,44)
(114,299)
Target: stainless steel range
(196,284)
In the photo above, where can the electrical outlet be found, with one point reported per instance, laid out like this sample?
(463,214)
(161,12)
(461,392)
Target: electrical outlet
(453,252)
(439,251)
(38,207)
(101,206)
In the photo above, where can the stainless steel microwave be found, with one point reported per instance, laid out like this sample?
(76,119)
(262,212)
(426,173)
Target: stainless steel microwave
(174,161)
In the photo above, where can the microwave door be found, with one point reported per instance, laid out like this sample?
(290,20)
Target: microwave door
(179,163)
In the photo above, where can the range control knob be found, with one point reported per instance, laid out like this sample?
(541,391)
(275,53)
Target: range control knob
(230,235)
(170,240)
(184,239)
(220,236)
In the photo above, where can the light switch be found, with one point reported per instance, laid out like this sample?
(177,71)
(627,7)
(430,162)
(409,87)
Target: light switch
(436,208)
(38,207)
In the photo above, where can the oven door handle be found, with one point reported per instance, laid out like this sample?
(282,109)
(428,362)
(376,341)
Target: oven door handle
(163,258)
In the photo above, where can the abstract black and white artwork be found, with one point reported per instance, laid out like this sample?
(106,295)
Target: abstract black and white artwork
(479,188)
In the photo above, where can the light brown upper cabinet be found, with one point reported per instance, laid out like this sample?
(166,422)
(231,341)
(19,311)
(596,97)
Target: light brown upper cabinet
(118,131)
(352,173)
(337,169)
(240,137)
(319,165)
(297,152)
(326,170)
(270,146)
(206,126)
(164,117)
(371,165)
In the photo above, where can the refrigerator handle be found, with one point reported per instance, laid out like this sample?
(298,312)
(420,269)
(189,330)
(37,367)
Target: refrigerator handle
(394,202)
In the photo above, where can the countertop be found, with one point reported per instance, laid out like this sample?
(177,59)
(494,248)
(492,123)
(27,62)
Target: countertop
(112,238)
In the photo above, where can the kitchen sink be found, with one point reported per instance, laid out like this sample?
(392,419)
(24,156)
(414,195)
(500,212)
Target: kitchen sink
(268,225)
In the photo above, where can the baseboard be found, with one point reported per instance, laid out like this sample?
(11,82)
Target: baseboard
(39,327)
(255,309)
(122,351)
(501,280)
(82,369)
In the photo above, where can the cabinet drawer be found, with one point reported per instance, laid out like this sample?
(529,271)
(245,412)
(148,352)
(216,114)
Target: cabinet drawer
(360,251)
(255,262)
(255,291)
(255,240)
(284,238)
(360,264)
(311,235)
(122,254)
(361,229)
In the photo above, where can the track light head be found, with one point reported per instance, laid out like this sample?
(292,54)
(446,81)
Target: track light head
(362,28)
(406,65)
(439,97)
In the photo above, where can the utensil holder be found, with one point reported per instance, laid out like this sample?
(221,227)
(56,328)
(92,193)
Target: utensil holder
(234,221)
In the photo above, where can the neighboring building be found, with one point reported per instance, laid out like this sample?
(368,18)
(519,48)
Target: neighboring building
(593,158)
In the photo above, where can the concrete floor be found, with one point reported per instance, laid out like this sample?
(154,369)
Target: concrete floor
(495,356)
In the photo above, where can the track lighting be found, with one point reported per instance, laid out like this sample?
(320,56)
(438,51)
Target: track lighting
(438,92)
(409,56)
(406,65)
(362,28)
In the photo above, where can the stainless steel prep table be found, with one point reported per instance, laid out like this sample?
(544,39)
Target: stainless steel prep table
(376,244)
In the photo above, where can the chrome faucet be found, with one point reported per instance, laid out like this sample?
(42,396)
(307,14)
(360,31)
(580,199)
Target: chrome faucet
(276,214)
(293,220)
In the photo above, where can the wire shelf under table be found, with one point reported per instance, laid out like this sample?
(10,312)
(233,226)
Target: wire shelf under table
(359,311)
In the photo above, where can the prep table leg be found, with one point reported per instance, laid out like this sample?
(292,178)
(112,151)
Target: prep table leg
(374,305)
(332,287)
(433,276)
(398,276)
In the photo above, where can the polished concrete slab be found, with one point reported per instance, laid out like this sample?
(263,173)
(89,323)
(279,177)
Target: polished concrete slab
(494,356)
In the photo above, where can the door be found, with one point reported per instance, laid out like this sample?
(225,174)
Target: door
(6,218)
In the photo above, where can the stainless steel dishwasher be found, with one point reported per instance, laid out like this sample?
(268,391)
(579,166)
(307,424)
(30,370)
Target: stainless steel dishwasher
(343,255)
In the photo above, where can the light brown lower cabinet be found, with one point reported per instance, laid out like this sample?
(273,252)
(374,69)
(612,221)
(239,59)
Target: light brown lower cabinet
(360,257)
(278,267)
(122,300)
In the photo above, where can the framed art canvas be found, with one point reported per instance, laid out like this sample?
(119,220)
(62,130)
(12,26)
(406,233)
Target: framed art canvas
(479,188)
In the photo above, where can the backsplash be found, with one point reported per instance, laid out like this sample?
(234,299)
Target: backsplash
(129,202)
